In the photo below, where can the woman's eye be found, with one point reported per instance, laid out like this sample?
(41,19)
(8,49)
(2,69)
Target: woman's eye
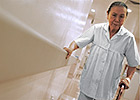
(122,16)
(114,15)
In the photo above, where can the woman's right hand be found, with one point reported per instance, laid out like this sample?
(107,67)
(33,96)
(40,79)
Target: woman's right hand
(73,46)
(69,52)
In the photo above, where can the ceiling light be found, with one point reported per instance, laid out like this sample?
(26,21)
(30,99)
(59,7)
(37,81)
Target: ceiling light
(129,10)
(92,10)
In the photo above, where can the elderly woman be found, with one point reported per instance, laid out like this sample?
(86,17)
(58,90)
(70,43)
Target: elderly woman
(111,42)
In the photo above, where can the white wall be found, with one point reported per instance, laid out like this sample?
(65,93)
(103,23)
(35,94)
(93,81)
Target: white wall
(35,87)
(59,21)
(24,51)
(131,93)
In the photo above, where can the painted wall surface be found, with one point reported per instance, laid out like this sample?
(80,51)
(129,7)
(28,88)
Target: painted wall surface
(131,93)
(60,21)
(24,51)
(35,87)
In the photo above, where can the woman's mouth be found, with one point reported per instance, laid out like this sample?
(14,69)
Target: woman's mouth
(115,24)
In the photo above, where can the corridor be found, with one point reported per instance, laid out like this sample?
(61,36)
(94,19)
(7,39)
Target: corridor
(33,34)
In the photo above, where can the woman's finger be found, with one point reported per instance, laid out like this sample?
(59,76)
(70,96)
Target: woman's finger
(68,52)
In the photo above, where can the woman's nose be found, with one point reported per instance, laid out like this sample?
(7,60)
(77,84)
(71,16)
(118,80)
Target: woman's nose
(117,19)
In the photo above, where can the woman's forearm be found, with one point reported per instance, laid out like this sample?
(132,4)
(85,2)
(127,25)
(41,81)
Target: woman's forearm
(73,46)
(130,72)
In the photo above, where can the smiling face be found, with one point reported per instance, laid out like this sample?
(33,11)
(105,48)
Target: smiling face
(116,17)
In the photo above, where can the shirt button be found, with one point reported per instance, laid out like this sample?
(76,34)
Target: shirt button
(103,61)
(101,71)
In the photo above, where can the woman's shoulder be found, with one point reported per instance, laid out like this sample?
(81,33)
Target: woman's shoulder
(99,25)
(127,32)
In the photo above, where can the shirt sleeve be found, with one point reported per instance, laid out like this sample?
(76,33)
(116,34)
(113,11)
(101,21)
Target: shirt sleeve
(132,54)
(86,38)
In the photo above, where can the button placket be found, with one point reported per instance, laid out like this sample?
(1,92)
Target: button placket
(104,57)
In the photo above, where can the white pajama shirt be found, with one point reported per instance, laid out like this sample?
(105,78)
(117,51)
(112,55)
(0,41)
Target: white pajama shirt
(101,73)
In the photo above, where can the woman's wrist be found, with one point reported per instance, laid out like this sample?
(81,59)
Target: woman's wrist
(70,49)
(128,79)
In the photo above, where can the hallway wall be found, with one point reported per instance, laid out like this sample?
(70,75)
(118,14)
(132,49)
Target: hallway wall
(60,21)
(35,87)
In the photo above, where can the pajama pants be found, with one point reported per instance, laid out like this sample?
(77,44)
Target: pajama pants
(82,96)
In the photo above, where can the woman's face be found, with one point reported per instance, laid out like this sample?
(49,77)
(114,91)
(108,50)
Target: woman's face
(116,17)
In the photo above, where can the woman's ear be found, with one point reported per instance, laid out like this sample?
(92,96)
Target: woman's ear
(107,14)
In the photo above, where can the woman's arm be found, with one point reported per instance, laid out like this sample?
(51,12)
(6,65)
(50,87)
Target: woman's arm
(130,73)
(73,46)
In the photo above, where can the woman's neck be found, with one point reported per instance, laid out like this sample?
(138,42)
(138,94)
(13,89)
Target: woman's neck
(112,32)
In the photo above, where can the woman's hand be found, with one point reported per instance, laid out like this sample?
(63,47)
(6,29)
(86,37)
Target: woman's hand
(69,52)
(124,82)
(73,46)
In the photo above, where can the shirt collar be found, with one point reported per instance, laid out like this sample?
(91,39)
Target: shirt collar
(120,32)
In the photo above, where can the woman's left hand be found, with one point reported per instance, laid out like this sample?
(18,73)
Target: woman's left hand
(124,82)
